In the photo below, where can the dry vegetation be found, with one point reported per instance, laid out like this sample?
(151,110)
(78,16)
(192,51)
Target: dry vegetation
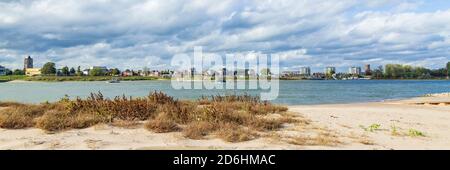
(231,118)
(324,139)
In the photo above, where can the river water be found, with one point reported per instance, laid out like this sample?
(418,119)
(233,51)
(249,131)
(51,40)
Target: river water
(291,92)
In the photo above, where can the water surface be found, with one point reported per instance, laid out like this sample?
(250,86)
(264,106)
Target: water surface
(291,92)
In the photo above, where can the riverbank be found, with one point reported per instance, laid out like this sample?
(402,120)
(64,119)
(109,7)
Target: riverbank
(73,78)
(140,78)
(402,124)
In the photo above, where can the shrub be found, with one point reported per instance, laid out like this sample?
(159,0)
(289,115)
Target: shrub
(265,124)
(161,124)
(13,118)
(10,104)
(233,118)
(233,133)
(54,120)
(198,130)
(80,121)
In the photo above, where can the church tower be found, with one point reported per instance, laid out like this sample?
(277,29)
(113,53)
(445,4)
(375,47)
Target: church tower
(28,63)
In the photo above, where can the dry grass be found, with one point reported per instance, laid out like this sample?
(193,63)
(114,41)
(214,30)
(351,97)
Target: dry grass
(236,134)
(366,141)
(161,124)
(262,124)
(198,130)
(20,116)
(54,120)
(126,124)
(15,119)
(323,139)
(232,118)
(10,104)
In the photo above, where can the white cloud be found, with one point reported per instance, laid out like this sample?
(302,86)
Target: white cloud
(133,33)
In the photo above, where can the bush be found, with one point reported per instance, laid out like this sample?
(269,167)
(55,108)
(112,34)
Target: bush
(233,133)
(13,118)
(198,130)
(233,118)
(161,124)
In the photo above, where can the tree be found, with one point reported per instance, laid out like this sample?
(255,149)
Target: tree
(8,72)
(441,73)
(329,75)
(378,72)
(18,72)
(48,68)
(396,71)
(72,71)
(115,72)
(79,73)
(96,72)
(448,70)
(65,71)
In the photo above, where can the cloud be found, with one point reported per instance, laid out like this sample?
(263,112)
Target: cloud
(135,33)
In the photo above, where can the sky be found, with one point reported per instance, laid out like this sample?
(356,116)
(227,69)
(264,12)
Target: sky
(148,33)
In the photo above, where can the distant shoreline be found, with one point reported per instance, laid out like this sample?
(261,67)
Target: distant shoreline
(73,78)
(142,78)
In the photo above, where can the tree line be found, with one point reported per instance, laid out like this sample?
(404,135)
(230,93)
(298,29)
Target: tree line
(399,71)
(390,71)
(49,68)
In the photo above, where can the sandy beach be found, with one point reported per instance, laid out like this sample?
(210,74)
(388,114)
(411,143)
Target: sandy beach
(417,123)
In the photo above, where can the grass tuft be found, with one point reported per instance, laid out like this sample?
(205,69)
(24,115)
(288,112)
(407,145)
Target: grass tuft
(237,134)
(198,130)
(416,133)
(161,124)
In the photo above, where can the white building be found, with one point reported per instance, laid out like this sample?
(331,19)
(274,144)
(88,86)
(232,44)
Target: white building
(290,73)
(354,70)
(305,71)
(85,72)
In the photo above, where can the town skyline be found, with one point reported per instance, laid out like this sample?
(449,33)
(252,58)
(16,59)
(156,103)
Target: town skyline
(330,72)
(342,69)
(126,34)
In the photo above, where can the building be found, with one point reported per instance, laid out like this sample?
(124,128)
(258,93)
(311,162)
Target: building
(367,70)
(330,70)
(85,72)
(2,71)
(33,71)
(290,73)
(222,73)
(243,73)
(305,71)
(318,76)
(155,73)
(354,70)
(127,73)
(192,72)
(167,74)
(27,63)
